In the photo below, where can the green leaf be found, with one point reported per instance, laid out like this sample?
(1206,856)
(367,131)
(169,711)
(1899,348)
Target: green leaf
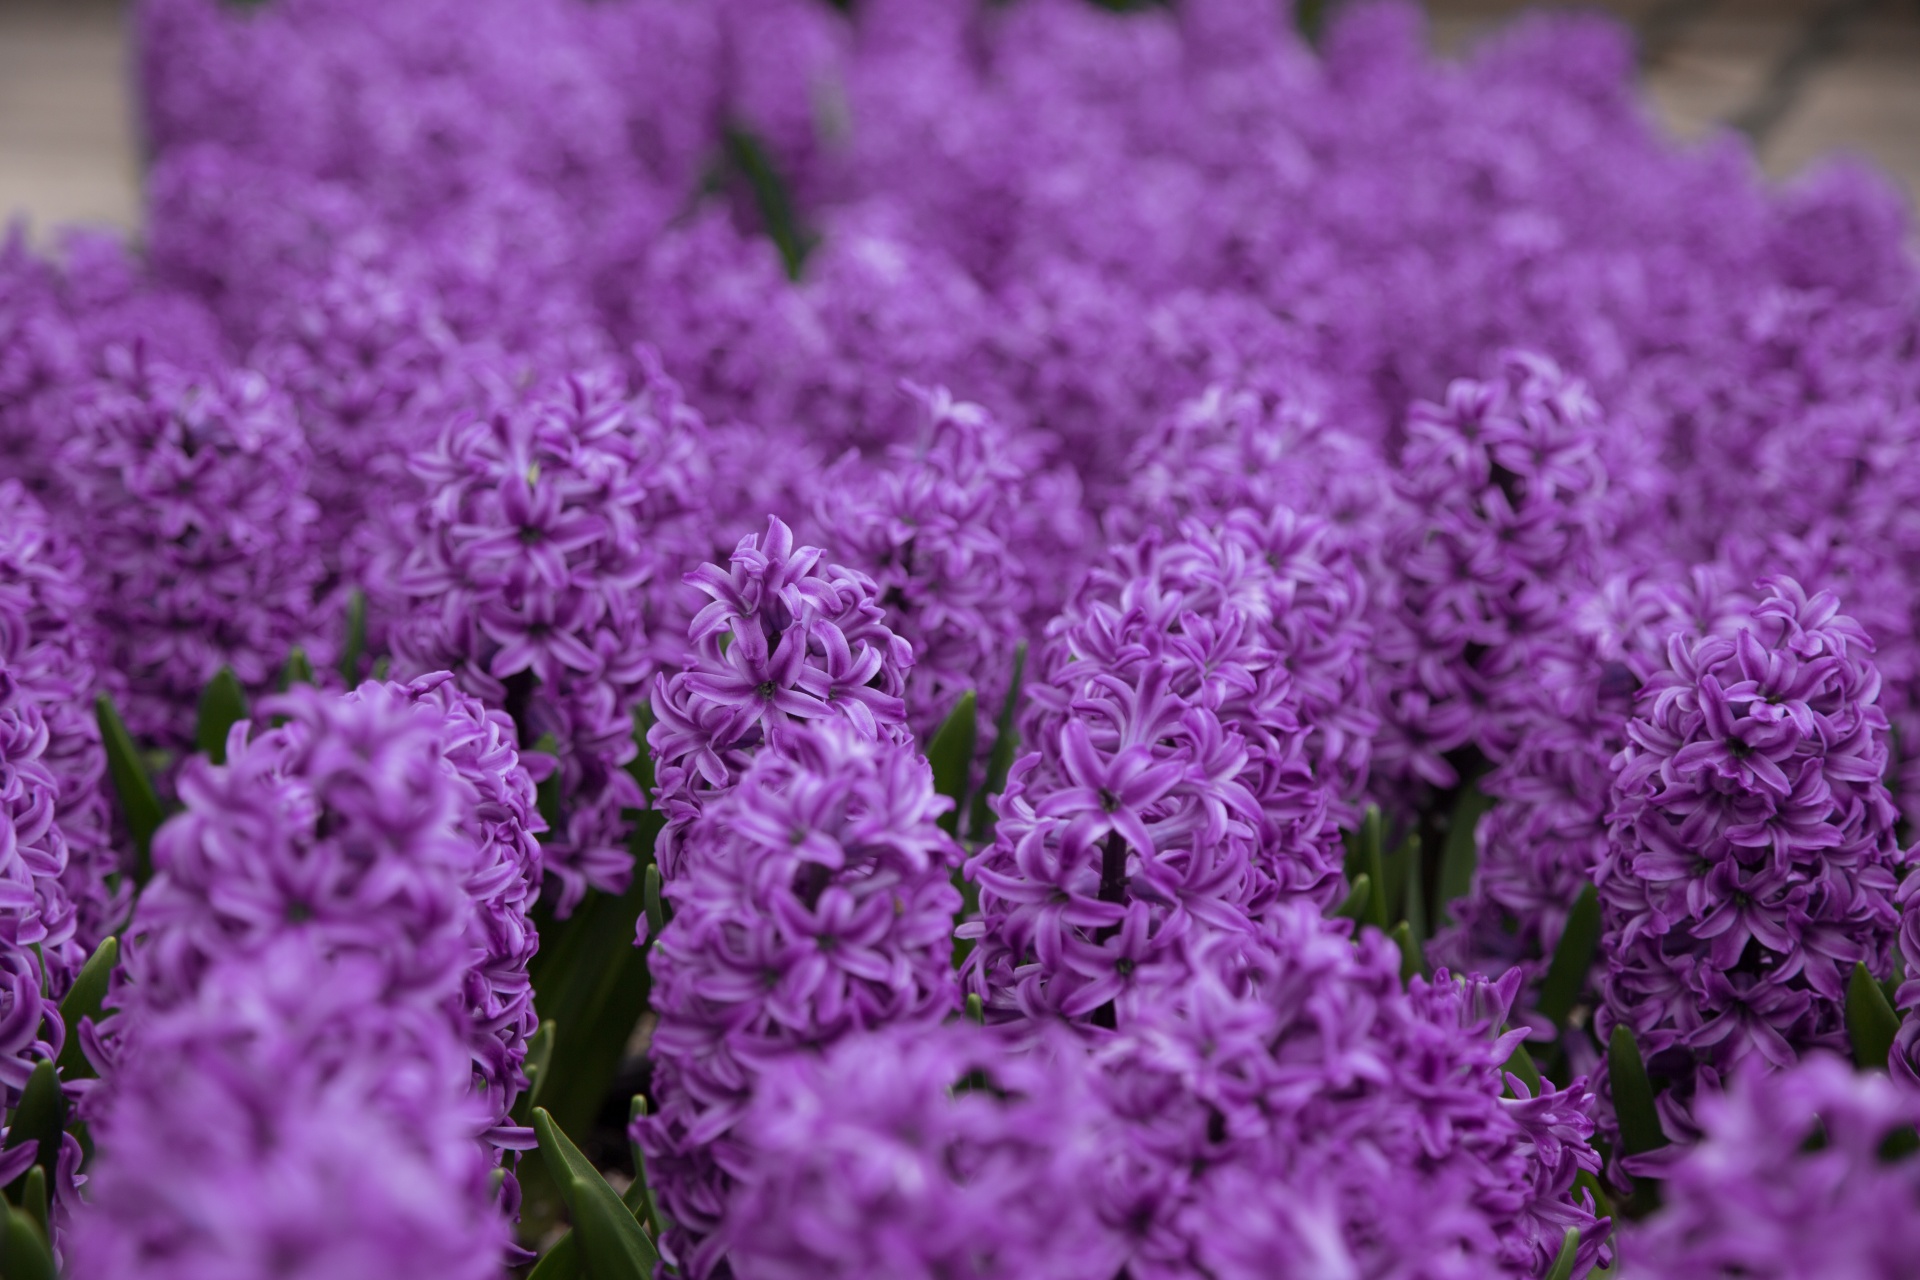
(1414,894)
(138,803)
(1376,872)
(1006,741)
(639,1199)
(299,670)
(951,755)
(40,1118)
(1520,1063)
(591,980)
(641,766)
(1459,857)
(561,1262)
(84,1000)
(539,1055)
(1354,906)
(356,646)
(1640,1130)
(1562,1268)
(976,1009)
(656,910)
(1411,961)
(33,1199)
(1871,1021)
(222,705)
(771,196)
(1362,841)
(23,1250)
(1573,959)
(611,1240)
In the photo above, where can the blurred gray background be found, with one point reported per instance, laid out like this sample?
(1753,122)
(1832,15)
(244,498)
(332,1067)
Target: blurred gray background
(1801,77)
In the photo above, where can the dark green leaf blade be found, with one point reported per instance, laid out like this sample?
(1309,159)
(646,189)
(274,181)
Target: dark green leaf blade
(356,645)
(299,670)
(1005,743)
(84,1000)
(138,803)
(1461,855)
(1872,1024)
(23,1250)
(1412,963)
(639,1197)
(40,1118)
(1573,959)
(561,1262)
(539,1057)
(610,1239)
(1640,1130)
(771,196)
(223,704)
(951,756)
(1354,907)
(1562,1268)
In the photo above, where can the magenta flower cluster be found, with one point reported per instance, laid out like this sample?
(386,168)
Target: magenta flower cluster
(1200,724)
(530,572)
(1752,859)
(605,442)
(812,901)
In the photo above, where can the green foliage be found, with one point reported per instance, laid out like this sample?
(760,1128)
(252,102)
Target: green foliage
(1572,960)
(951,756)
(1359,898)
(138,803)
(40,1118)
(591,981)
(84,1000)
(1640,1130)
(747,157)
(1460,856)
(1562,1268)
(1871,1021)
(356,645)
(299,670)
(1411,961)
(1000,760)
(608,1238)
(23,1248)
(223,704)
(539,1058)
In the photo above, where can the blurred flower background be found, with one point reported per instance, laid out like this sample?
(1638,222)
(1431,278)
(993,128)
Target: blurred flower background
(1802,77)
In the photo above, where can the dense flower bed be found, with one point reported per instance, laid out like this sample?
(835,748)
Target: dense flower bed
(954,638)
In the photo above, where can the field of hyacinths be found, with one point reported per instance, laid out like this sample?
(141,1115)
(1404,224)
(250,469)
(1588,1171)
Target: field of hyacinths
(954,638)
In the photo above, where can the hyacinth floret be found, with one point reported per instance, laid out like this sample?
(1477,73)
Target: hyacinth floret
(189,494)
(291,1087)
(1793,1176)
(814,900)
(390,823)
(1276,1094)
(46,648)
(1505,510)
(936,527)
(923,1152)
(540,571)
(784,639)
(35,915)
(1544,837)
(1200,725)
(1752,860)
